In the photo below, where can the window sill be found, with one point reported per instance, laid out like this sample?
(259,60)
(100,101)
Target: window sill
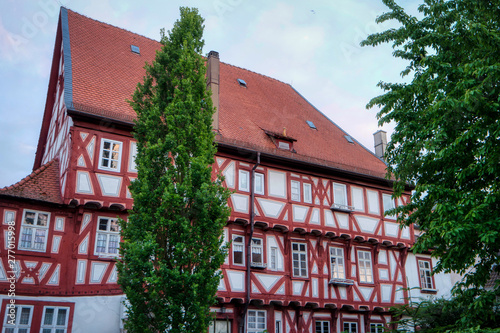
(305,278)
(258,265)
(428,291)
(342,208)
(341,282)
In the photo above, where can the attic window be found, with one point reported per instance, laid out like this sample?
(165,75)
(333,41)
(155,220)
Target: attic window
(242,83)
(135,49)
(348,138)
(282,141)
(311,124)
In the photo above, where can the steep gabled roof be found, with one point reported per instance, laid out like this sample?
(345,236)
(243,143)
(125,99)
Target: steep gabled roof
(42,185)
(103,72)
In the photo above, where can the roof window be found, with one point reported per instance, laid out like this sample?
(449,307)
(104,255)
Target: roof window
(311,124)
(135,49)
(242,83)
(348,138)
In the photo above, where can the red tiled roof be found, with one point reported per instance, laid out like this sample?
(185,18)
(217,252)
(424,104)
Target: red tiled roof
(42,184)
(105,73)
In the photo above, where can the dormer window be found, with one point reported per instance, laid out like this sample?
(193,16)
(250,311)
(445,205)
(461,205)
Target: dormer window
(282,141)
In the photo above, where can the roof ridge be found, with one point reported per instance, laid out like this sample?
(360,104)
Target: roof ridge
(32,175)
(111,25)
(254,72)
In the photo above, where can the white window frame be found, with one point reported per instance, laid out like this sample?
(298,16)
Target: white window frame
(350,326)
(322,328)
(239,244)
(244,180)
(425,274)
(34,230)
(132,166)
(53,326)
(220,325)
(295,190)
(299,260)
(257,248)
(307,188)
(255,324)
(108,234)
(110,159)
(259,182)
(337,270)
(388,203)
(376,328)
(365,267)
(273,260)
(343,188)
(17,325)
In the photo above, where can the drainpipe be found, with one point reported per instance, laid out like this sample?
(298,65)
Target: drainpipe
(249,243)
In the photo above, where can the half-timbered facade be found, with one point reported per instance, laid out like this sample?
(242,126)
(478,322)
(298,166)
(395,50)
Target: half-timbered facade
(311,249)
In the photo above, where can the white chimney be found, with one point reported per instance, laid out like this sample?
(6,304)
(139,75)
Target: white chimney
(380,138)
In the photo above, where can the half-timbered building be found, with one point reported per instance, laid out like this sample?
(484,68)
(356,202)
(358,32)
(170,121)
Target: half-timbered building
(311,249)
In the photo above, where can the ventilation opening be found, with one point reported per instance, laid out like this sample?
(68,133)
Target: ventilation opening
(242,83)
(348,138)
(311,124)
(135,49)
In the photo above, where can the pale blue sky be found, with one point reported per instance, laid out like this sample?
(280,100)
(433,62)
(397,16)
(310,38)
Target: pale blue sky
(313,45)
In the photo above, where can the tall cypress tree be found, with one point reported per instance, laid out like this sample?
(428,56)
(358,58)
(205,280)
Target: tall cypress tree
(172,242)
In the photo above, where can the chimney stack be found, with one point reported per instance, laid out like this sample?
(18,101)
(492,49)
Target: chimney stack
(380,138)
(213,84)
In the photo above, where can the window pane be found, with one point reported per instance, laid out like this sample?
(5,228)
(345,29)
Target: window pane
(61,317)
(113,225)
(29,218)
(49,316)
(25,316)
(103,224)
(42,219)
(107,145)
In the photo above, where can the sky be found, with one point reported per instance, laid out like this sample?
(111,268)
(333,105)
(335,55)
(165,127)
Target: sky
(312,45)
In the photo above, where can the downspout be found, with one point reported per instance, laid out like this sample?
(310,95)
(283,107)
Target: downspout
(249,244)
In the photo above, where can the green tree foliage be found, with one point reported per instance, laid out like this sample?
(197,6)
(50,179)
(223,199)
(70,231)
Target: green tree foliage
(172,242)
(447,136)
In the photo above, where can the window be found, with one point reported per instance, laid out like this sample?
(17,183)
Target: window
(339,194)
(295,189)
(274,257)
(350,327)
(388,204)
(256,321)
(365,267)
(108,237)
(110,155)
(54,320)
(337,263)
(307,193)
(221,326)
(133,153)
(259,183)
(278,326)
(322,326)
(34,230)
(257,251)
(238,250)
(18,320)
(244,183)
(376,328)
(283,145)
(299,259)
(425,271)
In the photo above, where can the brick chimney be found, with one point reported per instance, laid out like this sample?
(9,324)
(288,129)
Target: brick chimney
(380,138)
(213,84)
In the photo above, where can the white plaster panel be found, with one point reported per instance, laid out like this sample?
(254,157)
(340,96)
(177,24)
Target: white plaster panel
(399,297)
(373,202)
(299,213)
(113,277)
(43,270)
(405,233)
(240,202)
(357,198)
(367,224)
(268,281)
(236,280)
(97,271)
(110,185)
(54,280)
(56,241)
(85,221)
(343,293)
(297,287)
(277,184)
(83,184)
(393,264)
(81,269)
(329,218)
(59,225)
(90,149)
(281,290)
(315,216)
(383,274)
(386,290)
(366,292)
(382,257)
(229,175)
(81,161)
(343,220)
(391,229)
(9,216)
(3,274)
(315,287)
(220,160)
(271,208)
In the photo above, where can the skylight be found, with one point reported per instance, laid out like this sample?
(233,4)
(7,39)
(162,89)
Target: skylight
(135,49)
(348,138)
(242,83)
(311,124)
